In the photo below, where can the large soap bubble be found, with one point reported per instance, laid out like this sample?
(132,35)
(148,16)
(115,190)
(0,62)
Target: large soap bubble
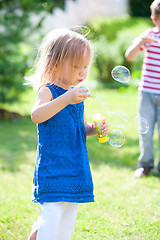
(141,125)
(118,119)
(116,138)
(121,74)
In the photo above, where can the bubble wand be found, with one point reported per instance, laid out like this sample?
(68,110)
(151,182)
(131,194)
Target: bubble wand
(150,38)
(155,40)
(97,118)
(115,137)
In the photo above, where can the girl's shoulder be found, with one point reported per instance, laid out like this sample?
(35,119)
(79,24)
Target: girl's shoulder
(45,93)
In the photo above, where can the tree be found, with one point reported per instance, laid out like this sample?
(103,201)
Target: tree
(16,28)
(140,8)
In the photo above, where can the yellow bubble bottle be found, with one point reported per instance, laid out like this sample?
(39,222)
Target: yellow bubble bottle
(97,118)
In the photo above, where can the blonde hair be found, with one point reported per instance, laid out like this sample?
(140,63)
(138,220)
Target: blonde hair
(58,45)
(155,8)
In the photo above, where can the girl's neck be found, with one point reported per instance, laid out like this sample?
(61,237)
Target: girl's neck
(61,84)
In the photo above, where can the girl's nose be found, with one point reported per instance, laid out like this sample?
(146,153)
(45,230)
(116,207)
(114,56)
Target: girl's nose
(82,72)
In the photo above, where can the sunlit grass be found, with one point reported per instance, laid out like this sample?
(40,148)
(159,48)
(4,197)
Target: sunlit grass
(124,208)
(24,105)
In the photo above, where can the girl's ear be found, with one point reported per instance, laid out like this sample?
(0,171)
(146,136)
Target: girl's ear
(153,19)
(56,66)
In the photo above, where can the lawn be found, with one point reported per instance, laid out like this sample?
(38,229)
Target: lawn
(124,208)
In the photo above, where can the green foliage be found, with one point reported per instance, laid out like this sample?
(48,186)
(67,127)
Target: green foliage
(12,63)
(140,8)
(105,58)
(111,38)
(31,6)
(17,40)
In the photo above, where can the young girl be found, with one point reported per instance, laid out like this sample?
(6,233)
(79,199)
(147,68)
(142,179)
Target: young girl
(62,176)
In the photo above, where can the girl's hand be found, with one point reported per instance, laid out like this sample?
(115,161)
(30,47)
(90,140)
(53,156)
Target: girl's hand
(77,95)
(146,39)
(105,127)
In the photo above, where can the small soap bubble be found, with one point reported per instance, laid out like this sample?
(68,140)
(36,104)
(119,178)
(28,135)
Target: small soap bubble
(121,74)
(141,125)
(104,107)
(96,97)
(84,30)
(118,119)
(116,138)
(125,117)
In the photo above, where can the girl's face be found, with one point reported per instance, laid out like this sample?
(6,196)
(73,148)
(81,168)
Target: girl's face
(156,20)
(73,75)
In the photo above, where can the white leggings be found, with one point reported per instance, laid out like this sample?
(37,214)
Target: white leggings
(56,221)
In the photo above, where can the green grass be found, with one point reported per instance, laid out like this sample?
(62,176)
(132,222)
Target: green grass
(23,106)
(125,207)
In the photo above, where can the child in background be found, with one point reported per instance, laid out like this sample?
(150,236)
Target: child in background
(62,176)
(149,88)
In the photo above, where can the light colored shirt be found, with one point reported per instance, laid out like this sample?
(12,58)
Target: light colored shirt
(150,77)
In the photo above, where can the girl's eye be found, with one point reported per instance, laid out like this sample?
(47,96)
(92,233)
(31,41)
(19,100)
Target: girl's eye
(76,67)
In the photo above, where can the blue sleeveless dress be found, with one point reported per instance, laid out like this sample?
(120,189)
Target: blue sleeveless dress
(62,171)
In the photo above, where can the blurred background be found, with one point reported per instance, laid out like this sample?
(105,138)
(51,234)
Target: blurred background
(110,24)
(125,207)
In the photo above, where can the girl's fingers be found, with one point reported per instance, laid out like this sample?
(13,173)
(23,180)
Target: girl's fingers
(104,120)
(105,127)
(84,90)
(84,95)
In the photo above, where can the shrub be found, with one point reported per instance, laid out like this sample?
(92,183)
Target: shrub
(140,8)
(111,38)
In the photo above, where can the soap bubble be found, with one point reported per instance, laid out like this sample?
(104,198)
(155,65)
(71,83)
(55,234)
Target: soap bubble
(104,107)
(96,97)
(141,125)
(118,119)
(84,30)
(116,138)
(121,74)
(125,117)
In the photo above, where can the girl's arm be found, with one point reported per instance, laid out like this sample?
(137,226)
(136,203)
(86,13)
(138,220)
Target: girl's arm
(45,106)
(91,130)
(133,51)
